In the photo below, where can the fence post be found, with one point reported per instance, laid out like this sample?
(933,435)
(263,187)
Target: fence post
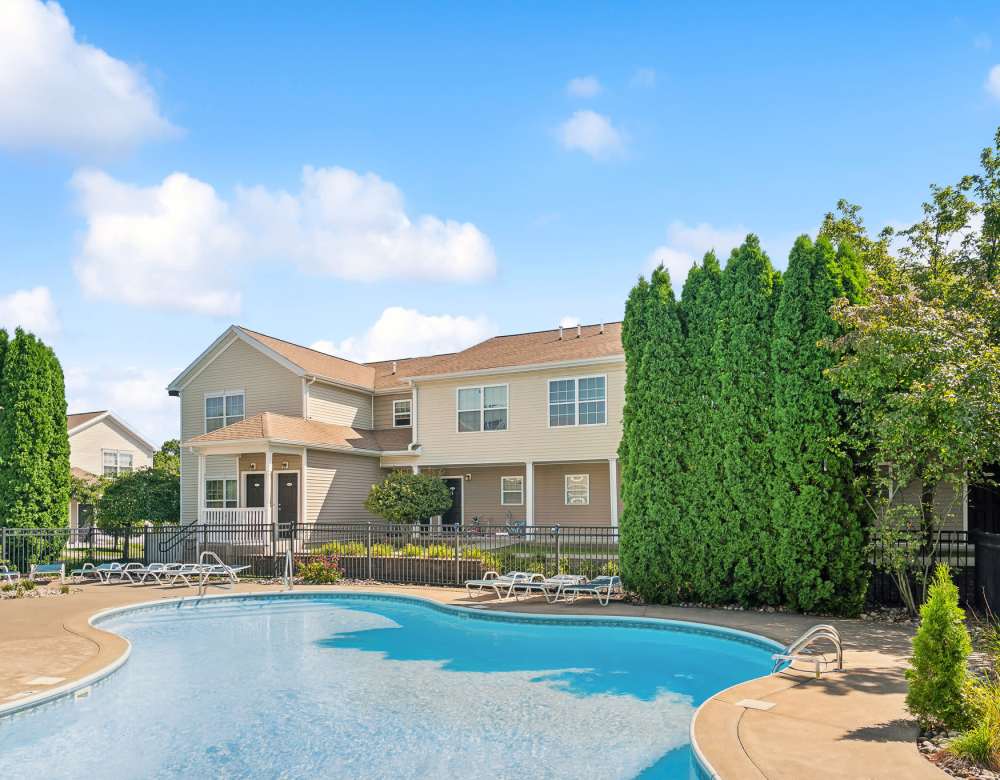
(555,530)
(369,547)
(3,535)
(458,559)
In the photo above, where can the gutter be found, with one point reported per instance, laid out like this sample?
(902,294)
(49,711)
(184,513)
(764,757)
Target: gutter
(519,369)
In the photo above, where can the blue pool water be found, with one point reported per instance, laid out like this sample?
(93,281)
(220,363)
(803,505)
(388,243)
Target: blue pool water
(373,687)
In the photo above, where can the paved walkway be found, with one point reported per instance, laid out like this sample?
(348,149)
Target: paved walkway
(847,725)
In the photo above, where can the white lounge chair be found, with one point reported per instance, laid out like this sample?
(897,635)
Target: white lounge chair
(127,572)
(9,575)
(91,572)
(212,566)
(551,587)
(501,585)
(47,570)
(155,571)
(600,588)
(183,572)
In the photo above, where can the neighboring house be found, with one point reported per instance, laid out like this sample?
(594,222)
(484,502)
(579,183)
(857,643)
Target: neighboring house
(523,428)
(100,444)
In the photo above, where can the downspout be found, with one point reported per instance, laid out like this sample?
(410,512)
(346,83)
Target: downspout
(306,384)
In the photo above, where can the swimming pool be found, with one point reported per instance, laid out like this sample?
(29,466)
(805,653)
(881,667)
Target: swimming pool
(355,685)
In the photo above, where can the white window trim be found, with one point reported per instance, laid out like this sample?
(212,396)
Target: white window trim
(118,460)
(566,478)
(502,491)
(409,413)
(576,402)
(482,407)
(221,394)
(223,480)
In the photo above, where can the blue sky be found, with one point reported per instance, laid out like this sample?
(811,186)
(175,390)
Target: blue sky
(167,169)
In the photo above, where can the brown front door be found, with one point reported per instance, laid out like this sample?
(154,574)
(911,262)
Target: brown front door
(288,502)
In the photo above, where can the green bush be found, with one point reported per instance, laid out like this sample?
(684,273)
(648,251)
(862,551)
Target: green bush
(405,497)
(937,673)
(412,551)
(981,743)
(342,548)
(439,551)
(324,571)
(383,550)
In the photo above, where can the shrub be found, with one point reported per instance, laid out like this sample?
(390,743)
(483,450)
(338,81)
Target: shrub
(981,743)
(323,571)
(383,550)
(412,551)
(7,587)
(342,548)
(27,584)
(405,497)
(937,673)
(440,551)
(612,569)
(64,589)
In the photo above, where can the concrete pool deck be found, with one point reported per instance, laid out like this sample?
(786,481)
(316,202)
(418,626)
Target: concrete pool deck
(848,724)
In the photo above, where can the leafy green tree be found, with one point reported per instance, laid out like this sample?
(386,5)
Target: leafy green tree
(144,496)
(742,351)
(168,457)
(699,399)
(941,648)
(405,497)
(34,442)
(819,542)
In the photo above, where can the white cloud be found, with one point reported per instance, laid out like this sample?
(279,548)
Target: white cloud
(180,245)
(569,321)
(172,245)
(400,332)
(982,41)
(592,133)
(687,244)
(584,87)
(34,310)
(136,394)
(56,91)
(643,77)
(354,226)
(993,82)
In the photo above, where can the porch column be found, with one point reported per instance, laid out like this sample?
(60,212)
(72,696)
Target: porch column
(529,493)
(304,486)
(613,482)
(267,485)
(199,511)
(416,468)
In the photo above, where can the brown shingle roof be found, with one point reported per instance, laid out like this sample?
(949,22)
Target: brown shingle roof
(280,427)
(522,349)
(317,363)
(405,367)
(78,419)
(83,474)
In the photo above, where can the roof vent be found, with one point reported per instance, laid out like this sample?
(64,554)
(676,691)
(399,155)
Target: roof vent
(560,332)
(579,332)
(394,366)
(602,328)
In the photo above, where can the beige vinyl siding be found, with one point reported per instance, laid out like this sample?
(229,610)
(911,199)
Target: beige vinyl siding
(337,485)
(383,408)
(528,435)
(268,387)
(550,496)
(339,406)
(481,494)
(946,503)
(85,447)
(220,467)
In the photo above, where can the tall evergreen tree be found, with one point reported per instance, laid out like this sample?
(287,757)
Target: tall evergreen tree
(699,398)
(742,351)
(34,471)
(819,539)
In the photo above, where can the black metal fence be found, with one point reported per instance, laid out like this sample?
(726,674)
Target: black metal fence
(957,549)
(395,553)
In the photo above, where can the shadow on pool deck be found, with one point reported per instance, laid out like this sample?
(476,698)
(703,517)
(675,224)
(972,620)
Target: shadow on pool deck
(848,724)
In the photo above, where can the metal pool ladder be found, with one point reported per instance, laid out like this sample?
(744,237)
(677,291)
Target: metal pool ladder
(794,652)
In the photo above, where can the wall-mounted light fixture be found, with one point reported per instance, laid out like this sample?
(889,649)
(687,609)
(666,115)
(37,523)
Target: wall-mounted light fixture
(253,467)
(284,464)
(468,478)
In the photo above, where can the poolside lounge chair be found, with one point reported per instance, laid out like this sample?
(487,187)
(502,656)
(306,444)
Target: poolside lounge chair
(127,572)
(48,570)
(501,585)
(600,588)
(9,575)
(183,572)
(91,572)
(154,571)
(551,588)
(228,573)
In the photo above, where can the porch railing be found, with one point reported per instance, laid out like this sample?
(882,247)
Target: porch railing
(231,516)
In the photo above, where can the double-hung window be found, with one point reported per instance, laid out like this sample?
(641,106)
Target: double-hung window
(577,489)
(401,414)
(482,408)
(511,491)
(116,462)
(222,409)
(579,401)
(220,494)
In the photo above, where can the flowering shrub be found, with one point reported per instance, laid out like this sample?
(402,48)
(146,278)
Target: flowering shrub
(324,570)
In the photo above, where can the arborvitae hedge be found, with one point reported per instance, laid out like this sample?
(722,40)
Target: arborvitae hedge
(815,506)
(733,485)
(742,425)
(34,443)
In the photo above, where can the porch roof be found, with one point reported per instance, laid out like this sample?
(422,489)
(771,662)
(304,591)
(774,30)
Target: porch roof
(282,429)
